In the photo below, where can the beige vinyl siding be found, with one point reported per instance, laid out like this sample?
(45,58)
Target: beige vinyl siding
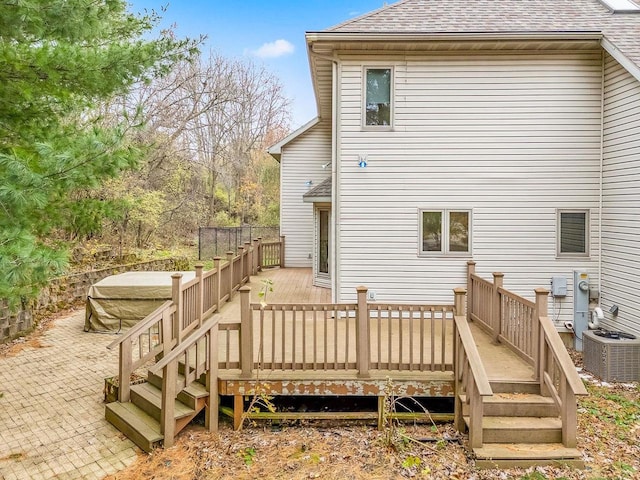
(301,161)
(621,198)
(511,137)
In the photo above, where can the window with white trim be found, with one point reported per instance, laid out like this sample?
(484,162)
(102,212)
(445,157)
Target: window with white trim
(378,92)
(445,231)
(573,232)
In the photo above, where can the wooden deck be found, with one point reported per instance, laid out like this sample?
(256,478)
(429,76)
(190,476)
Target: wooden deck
(295,286)
(495,354)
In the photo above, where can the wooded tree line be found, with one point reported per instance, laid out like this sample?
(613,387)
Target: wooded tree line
(207,126)
(107,134)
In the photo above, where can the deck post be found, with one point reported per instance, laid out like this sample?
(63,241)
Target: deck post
(176,298)
(281,251)
(124,371)
(230,260)
(362,333)
(476,412)
(211,410)
(541,310)
(471,270)
(256,257)
(459,305)
(569,415)
(167,409)
(216,286)
(249,263)
(200,295)
(246,332)
(496,310)
(459,302)
(242,259)
(167,337)
(260,259)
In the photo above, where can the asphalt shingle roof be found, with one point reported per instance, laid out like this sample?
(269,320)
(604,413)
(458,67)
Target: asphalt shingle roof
(502,16)
(323,190)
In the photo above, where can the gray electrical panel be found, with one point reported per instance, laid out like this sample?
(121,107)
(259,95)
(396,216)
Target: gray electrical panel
(559,286)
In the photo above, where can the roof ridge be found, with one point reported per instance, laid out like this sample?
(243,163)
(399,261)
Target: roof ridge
(365,15)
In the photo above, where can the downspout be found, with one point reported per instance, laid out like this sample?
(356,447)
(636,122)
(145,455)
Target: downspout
(335,198)
(601,193)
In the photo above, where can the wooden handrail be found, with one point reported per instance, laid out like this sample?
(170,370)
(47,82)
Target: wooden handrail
(186,344)
(562,356)
(475,363)
(142,325)
(523,301)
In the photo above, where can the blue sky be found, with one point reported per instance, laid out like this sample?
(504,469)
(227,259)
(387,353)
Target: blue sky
(269,32)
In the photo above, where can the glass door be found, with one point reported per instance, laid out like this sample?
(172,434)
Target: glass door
(323,241)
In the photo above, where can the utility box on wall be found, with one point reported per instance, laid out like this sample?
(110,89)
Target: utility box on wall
(559,286)
(580,305)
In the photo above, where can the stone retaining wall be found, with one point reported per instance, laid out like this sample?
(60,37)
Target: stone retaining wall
(62,292)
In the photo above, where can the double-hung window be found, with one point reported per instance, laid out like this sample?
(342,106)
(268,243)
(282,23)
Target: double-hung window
(573,233)
(445,231)
(377,104)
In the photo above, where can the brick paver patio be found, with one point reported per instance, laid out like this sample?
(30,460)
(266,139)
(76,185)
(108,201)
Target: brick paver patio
(51,408)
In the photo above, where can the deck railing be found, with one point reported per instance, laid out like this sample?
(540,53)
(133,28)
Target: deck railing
(191,303)
(142,343)
(523,326)
(198,356)
(272,254)
(470,379)
(338,337)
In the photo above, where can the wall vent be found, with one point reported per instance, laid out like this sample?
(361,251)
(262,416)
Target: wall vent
(610,359)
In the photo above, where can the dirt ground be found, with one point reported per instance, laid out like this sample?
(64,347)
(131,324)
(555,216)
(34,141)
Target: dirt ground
(609,437)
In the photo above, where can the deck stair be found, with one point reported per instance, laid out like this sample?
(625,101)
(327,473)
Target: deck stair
(139,419)
(520,428)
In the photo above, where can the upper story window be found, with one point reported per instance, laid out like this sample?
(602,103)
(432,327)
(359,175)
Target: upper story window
(573,232)
(445,231)
(378,96)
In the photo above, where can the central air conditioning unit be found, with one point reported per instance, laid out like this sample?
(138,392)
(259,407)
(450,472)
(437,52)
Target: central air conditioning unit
(611,359)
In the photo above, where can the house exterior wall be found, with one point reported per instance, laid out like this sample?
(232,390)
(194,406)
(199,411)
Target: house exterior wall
(513,137)
(621,198)
(301,160)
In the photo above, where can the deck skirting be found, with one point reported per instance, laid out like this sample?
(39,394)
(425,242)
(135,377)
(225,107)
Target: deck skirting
(414,384)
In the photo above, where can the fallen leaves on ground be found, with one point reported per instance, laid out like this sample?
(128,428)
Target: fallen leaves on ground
(608,436)
(44,321)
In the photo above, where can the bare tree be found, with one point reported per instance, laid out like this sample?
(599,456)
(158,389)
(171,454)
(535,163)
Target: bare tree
(205,123)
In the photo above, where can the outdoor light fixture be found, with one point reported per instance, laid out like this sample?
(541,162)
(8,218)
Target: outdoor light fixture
(362,161)
(613,310)
(308,183)
(326,165)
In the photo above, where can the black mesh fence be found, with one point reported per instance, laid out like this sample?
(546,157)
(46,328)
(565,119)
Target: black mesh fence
(217,241)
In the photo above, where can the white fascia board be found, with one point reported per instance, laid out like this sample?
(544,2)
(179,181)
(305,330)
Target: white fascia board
(319,199)
(628,65)
(275,150)
(313,37)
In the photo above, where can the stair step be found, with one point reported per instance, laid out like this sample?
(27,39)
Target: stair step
(188,395)
(149,398)
(191,394)
(521,429)
(516,405)
(137,425)
(523,455)
(155,379)
(505,386)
